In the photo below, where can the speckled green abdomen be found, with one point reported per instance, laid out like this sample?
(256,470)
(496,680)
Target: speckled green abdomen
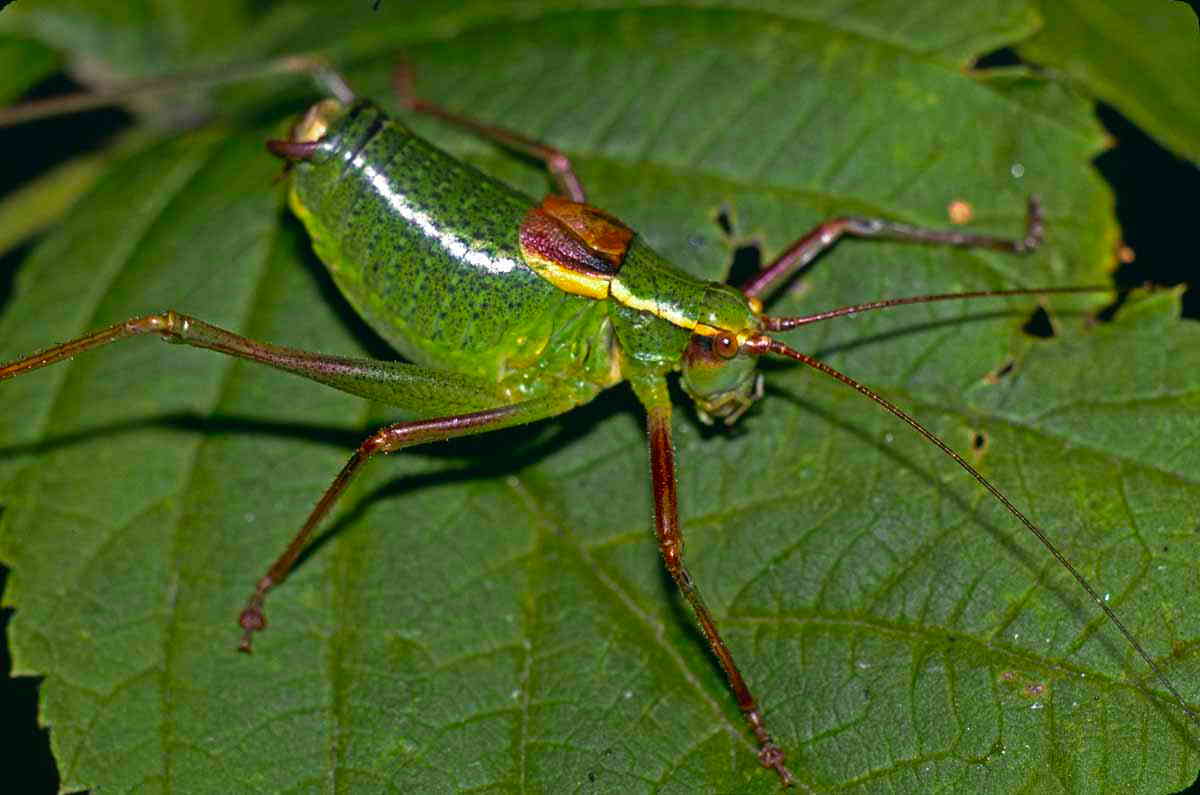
(425,248)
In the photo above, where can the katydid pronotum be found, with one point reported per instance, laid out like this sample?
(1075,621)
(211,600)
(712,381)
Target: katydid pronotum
(605,306)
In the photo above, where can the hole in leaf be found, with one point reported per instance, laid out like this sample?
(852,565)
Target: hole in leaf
(725,222)
(1039,325)
(747,261)
(1005,56)
(979,446)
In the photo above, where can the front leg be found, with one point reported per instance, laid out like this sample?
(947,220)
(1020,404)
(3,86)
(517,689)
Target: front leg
(670,545)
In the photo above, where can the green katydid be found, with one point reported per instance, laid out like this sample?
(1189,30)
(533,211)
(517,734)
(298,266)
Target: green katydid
(541,307)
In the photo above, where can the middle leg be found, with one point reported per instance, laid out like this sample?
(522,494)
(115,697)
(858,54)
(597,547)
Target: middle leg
(805,250)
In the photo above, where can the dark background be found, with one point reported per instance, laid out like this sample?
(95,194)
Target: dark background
(1157,204)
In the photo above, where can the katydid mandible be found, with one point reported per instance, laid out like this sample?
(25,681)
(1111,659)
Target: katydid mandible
(510,311)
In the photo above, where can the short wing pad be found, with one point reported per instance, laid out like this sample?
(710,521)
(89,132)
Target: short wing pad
(574,246)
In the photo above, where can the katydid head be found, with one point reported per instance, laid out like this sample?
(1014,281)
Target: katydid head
(307,132)
(720,364)
(719,374)
(721,379)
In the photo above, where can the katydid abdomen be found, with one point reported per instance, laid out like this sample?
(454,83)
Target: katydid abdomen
(426,249)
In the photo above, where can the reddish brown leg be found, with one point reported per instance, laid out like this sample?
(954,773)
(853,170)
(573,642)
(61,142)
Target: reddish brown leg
(670,544)
(394,383)
(804,250)
(556,162)
(386,440)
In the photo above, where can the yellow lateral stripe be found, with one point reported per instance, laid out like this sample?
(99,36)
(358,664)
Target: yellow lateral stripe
(567,280)
(620,292)
(600,287)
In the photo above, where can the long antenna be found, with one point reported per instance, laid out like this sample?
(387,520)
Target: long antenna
(788,323)
(763,344)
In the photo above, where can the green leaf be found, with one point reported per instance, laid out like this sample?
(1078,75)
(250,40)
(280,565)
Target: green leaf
(492,614)
(1133,55)
(143,39)
(22,64)
(42,202)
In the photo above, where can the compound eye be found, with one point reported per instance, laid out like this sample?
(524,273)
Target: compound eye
(725,345)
